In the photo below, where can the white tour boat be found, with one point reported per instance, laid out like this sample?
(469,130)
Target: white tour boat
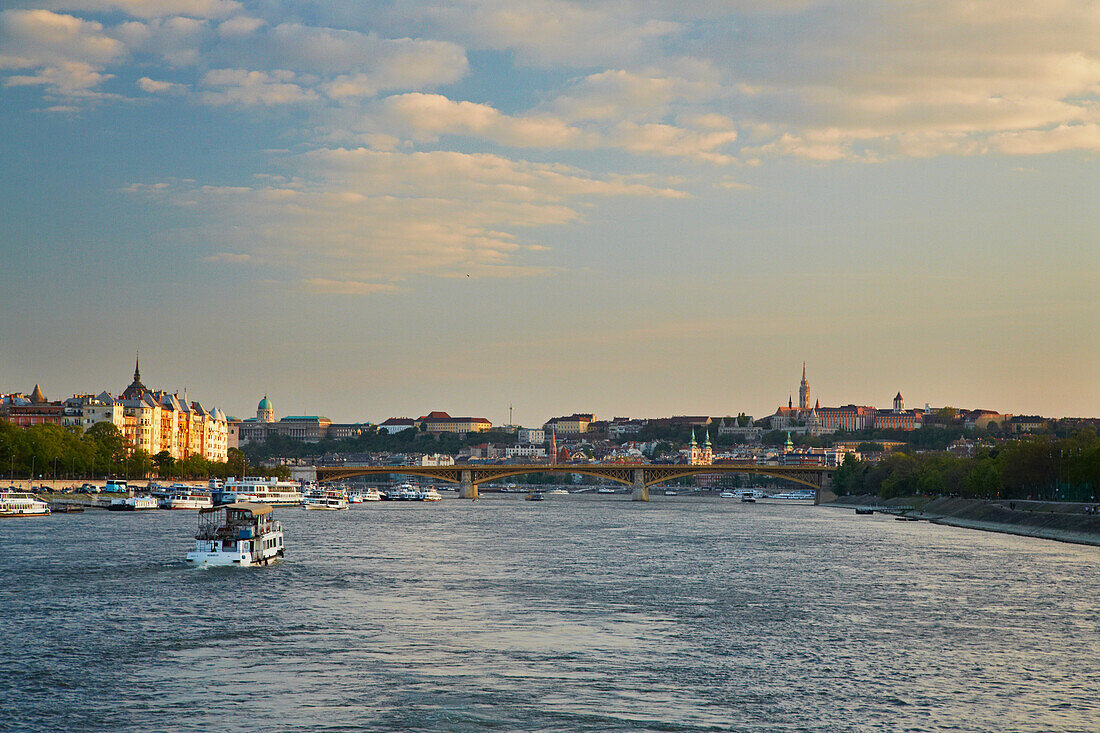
(558,492)
(187,500)
(241,534)
(259,489)
(370,494)
(430,494)
(331,500)
(22,504)
(132,504)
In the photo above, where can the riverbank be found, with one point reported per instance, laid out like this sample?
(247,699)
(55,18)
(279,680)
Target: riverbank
(1061,521)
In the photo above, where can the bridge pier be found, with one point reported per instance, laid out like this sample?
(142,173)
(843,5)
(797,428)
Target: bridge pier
(467,489)
(641,491)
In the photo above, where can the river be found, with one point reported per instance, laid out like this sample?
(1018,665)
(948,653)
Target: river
(578,613)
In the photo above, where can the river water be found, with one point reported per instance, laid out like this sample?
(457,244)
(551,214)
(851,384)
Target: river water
(578,613)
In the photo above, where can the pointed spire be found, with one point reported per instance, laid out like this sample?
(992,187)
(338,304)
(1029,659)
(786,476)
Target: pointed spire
(803,371)
(706,444)
(37,397)
(693,443)
(790,402)
(137,366)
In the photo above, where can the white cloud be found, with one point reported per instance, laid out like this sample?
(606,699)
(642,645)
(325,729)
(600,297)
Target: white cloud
(153,86)
(353,218)
(40,38)
(65,79)
(239,86)
(240,25)
(552,32)
(151,8)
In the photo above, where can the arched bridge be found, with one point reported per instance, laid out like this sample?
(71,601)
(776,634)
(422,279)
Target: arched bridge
(638,476)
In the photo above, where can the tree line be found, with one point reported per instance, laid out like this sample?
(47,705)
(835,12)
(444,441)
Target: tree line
(1043,467)
(102,451)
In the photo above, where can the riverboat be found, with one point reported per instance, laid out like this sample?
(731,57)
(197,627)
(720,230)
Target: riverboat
(728,495)
(605,490)
(404,492)
(748,498)
(242,534)
(558,492)
(430,494)
(187,500)
(132,504)
(864,510)
(329,499)
(370,494)
(534,496)
(258,489)
(22,504)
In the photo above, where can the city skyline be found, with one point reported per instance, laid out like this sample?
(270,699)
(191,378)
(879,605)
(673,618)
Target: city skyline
(627,209)
(804,400)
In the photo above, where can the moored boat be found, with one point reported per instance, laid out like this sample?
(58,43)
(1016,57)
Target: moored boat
(258,489)
(132,504)
(22,504)
(187,500)
(430,494)
(243,534)
(370,494)
(534,496)
(328,499)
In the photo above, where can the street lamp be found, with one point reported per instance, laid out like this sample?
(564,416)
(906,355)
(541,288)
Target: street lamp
(33,459)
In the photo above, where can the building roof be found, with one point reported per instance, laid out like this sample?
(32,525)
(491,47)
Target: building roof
(36,396)
(265,404)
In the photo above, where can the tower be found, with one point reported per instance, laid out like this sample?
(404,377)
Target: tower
(693,458)
(708,450)
(804,391)
(136,390)
(265,411)
(899,403)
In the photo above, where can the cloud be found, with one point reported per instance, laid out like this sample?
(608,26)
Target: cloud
(365,216)
(552,32)
(71,79)
(251,88)
(228,257)
(41,39)
(151,8)
(347,287)
(153,86)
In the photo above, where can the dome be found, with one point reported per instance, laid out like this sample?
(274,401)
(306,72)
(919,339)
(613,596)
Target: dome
(265,404)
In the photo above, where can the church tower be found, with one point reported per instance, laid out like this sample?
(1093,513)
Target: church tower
(899,403)
(804,391)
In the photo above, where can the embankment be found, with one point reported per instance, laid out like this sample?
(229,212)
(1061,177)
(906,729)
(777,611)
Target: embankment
(1062,521)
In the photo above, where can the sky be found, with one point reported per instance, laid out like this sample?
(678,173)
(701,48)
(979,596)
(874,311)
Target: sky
(376,209)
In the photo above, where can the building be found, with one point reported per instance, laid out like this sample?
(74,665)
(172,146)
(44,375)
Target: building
(440,422)
(697,455)
(574,424)
(899,418)
(531,436)
(396,425)
(1028,424)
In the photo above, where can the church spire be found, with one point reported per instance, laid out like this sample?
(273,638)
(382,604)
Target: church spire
(804,391)
(137,366)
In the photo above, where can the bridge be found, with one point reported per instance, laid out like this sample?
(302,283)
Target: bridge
(638,476)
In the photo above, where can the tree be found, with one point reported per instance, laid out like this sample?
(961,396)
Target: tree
(164,463)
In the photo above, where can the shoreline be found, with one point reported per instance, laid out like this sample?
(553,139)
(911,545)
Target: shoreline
(1058,521)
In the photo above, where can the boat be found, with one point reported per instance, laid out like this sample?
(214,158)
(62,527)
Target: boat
(558,492)
(728,495)
(605,490)
(404,492)
(22,504)
(670,492)
(370,495)
(327,499)
(355,498)
(864,510)
(534,496)
(259,490)
(132,504)
(187,500)
(243,534)
(430,494)
(748,498)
